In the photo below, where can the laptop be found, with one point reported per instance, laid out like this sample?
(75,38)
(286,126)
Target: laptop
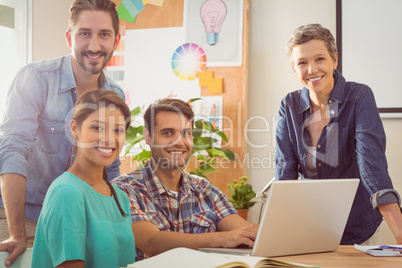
(301,216)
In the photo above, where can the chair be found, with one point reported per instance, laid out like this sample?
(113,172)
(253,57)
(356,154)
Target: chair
(24,261)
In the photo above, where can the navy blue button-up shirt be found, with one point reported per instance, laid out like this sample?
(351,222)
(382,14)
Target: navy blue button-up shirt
(351,145)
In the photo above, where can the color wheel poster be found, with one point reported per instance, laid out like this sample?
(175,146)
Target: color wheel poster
(148,64)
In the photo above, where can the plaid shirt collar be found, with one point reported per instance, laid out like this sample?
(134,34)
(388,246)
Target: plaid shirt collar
(156,187)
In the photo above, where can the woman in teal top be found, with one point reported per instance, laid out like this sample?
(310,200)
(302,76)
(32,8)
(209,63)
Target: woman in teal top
(85,220)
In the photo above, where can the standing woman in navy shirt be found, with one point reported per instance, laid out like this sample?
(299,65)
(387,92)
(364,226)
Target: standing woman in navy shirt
(332,129)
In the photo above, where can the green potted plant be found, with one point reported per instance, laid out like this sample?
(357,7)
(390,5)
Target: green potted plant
(203,145)
(241,195)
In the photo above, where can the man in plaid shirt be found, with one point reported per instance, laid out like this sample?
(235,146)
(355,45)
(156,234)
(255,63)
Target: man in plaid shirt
(169,207)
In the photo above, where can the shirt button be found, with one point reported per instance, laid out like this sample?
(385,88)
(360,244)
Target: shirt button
(330,101)
(327,127)
(318,146)
(52,129)
(319,164)
(332,112)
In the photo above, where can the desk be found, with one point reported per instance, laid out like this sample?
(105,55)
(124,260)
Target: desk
(345,256)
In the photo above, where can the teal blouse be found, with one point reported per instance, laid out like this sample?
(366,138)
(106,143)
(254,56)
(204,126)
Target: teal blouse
(78,223)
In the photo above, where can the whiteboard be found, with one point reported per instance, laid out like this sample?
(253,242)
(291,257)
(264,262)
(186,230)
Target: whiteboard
(372,48)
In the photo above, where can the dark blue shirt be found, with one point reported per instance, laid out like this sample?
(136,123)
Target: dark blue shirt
(351,145)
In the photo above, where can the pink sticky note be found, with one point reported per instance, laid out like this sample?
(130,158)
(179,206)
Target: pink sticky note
(127,95)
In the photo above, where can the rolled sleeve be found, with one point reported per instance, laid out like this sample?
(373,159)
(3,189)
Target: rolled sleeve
(14,162)
(384,197)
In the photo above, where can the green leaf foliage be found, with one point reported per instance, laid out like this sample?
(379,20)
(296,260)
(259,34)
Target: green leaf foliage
(241,194)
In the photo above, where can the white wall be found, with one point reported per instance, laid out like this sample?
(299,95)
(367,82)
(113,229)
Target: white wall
(50,21)
(271,78)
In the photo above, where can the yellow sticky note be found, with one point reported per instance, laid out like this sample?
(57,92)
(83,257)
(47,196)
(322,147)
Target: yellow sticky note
(158,3)
(215,86)
(145,2)
(203,78)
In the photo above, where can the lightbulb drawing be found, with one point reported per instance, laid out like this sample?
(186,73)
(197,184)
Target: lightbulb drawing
(213,13)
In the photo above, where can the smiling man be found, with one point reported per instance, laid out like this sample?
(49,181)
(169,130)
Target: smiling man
(169,207)
(35,142)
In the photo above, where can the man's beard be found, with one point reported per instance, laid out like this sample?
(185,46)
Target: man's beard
(95,67)
(164,162)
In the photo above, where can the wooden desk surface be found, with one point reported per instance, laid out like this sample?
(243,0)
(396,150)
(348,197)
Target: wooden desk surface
(345,256)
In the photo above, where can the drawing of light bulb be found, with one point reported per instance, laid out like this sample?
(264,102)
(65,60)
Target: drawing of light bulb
(213,13)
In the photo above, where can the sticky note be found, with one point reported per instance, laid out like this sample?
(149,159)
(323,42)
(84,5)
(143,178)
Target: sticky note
(203,78)
(158,3)
(138,4)
(215,86)
(127,95)
(124,14)
(133,6)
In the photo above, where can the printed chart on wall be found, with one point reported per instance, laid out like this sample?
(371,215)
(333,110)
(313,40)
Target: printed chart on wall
(210,109)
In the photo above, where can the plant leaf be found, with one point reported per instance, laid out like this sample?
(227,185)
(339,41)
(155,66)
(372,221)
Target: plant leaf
(193,100)
(232,190)
(216,152)
(136,111)
(135,140)
(131,132)
(230,155)
(206,168)
(142,156)
(222,135)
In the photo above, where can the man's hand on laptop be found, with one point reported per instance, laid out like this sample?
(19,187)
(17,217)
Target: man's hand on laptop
(244,236)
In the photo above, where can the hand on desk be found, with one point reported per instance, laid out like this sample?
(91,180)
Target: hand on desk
(16,247)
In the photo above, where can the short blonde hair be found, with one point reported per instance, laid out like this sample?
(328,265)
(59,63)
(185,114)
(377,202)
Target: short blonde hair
(309,32)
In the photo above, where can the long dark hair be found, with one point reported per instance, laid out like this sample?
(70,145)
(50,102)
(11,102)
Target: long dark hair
(91,101)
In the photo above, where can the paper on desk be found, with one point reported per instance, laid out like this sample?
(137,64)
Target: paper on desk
(377,252)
